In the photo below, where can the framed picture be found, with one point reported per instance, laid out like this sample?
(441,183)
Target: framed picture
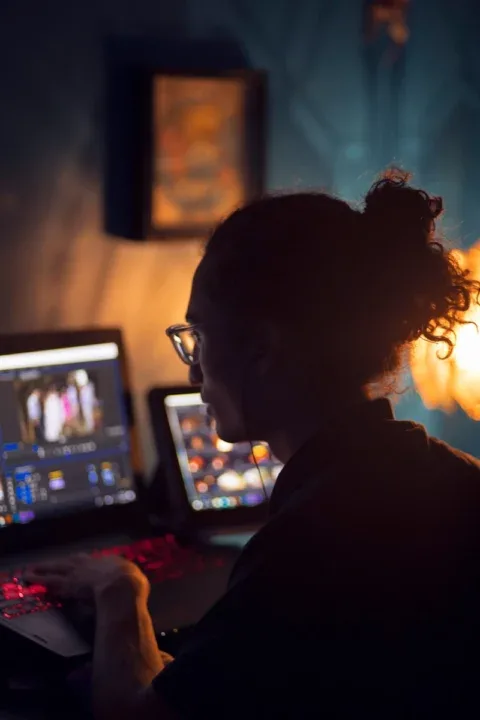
(206,148)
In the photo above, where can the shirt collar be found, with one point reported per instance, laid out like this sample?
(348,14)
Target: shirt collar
(329,442)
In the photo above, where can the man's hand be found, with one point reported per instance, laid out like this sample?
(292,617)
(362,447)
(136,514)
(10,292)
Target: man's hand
(85,577)
(126,657)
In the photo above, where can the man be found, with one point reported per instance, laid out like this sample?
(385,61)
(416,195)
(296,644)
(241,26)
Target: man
(359,597)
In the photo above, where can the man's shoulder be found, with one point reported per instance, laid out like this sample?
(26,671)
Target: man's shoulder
(454,457)
(280,546)
(345,503)
(453,473)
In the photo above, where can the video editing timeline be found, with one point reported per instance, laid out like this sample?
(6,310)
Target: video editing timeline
(216,474)
(64,432)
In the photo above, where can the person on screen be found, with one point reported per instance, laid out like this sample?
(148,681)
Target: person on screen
(71,392)
(34,413)
(88,400)
(67,407)
(54,416)
(360,596)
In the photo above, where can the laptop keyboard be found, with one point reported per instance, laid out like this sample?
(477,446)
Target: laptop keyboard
(161,559)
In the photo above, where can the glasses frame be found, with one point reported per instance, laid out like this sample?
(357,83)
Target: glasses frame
(174,334)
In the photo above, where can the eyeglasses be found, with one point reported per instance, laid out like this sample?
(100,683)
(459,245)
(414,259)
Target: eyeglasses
(185,340)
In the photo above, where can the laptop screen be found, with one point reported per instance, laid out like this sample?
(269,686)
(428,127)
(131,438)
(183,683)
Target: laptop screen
(64,432)
(217,475)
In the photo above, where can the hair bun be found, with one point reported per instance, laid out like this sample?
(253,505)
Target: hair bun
(392,199)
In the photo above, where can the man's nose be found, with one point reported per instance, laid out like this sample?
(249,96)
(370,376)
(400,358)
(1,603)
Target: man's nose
(195,374)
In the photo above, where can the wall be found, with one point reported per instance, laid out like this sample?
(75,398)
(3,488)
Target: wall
(57,268)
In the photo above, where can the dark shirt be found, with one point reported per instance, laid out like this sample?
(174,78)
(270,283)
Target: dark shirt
(359,597)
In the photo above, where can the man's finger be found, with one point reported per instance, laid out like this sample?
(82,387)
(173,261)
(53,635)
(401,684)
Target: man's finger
(60,567)
(44,577)
(58,585)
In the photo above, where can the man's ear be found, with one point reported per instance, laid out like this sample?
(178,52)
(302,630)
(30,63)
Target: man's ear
(266,352)
(261,359)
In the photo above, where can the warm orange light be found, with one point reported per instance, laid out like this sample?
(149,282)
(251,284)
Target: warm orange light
(445,384)
(260,453)
(196,463)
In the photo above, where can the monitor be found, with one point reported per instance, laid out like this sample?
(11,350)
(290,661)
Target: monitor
(216,476)
(64,426)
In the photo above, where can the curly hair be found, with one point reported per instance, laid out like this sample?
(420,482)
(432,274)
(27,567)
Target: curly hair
(443,291)
(360,283)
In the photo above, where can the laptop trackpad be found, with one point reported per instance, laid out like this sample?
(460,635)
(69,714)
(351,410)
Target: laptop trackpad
(50,629)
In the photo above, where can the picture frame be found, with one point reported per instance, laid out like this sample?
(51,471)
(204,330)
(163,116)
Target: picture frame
(205,150)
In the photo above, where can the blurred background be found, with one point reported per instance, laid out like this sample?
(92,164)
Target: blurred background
(352,89)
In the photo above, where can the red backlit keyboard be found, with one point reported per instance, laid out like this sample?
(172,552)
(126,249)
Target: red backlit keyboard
(18,599)
(161,559)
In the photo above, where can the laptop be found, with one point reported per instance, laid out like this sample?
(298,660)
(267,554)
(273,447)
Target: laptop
(70,481)
(218,488)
